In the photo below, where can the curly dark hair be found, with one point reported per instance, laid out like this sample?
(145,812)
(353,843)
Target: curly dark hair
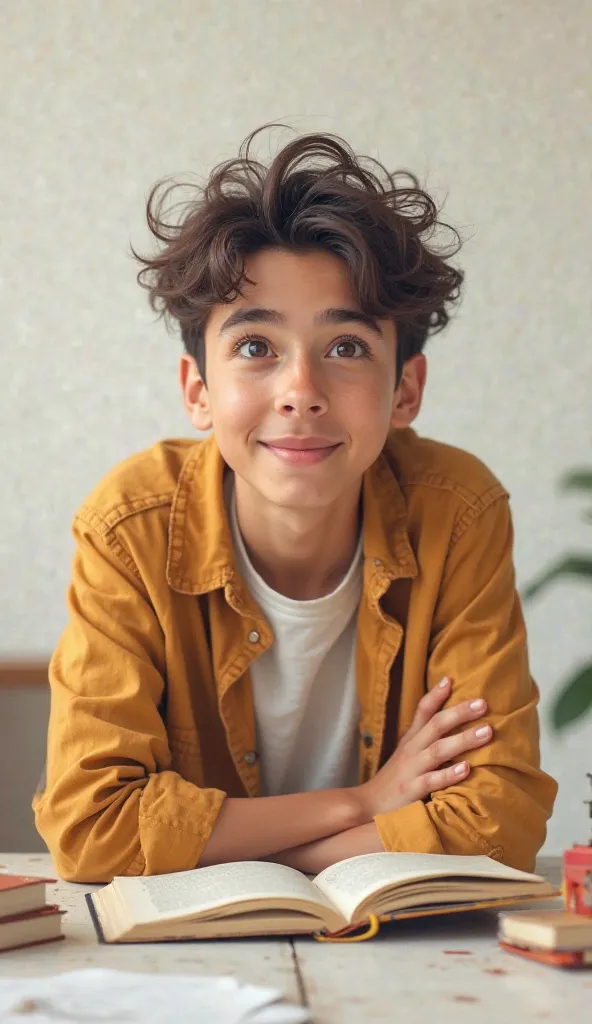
(315,194)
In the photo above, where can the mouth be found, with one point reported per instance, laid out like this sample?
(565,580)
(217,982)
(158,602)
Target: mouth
(301,456)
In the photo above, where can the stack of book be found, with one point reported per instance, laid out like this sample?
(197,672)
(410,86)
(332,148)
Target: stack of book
(556,937)
(25,917)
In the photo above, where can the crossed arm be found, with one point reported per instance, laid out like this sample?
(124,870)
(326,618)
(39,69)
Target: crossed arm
(309,831)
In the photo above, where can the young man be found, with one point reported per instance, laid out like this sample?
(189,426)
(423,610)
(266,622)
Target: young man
(298,639)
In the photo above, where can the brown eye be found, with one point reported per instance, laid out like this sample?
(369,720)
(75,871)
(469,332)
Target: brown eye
(252,348)
(350,348)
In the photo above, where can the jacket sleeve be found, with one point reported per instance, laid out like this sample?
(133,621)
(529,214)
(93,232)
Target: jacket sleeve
(479,640)
(111,804)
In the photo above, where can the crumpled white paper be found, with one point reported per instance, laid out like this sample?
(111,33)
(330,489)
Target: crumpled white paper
(95,995)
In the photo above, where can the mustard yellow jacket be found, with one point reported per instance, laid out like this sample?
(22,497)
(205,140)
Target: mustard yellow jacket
(152,720)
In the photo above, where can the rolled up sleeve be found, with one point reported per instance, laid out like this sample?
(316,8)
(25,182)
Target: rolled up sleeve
(479,640)
(111,804)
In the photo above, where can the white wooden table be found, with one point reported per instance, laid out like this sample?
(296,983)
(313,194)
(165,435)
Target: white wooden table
(415,972)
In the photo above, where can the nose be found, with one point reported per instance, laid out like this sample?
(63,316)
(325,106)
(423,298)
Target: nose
(299,390)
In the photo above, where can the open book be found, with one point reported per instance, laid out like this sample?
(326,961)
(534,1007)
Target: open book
(260,898)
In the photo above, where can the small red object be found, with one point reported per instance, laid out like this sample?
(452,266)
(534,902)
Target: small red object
(577,874)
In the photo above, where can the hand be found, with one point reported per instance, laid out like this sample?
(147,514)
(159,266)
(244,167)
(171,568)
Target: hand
(415,769)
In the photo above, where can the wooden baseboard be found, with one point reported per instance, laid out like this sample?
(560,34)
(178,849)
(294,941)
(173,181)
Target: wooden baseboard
(24,673)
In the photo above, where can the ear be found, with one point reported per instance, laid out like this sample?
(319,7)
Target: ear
(409,392)
(195,395)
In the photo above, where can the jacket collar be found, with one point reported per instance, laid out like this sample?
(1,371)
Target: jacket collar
(200,551)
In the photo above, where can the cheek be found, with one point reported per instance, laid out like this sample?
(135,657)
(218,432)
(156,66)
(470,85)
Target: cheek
(370,404)
(236,402)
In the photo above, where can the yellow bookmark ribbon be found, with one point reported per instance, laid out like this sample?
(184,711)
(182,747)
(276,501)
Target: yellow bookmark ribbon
(345,935)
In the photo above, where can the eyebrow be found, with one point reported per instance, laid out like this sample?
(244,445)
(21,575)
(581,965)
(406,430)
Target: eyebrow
(333,315)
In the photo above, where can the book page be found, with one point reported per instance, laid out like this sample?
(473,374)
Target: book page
(98,994)
(181,893)
(350,882)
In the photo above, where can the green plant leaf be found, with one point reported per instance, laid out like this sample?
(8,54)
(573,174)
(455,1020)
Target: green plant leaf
(573,565)
(577,480)
(574,700)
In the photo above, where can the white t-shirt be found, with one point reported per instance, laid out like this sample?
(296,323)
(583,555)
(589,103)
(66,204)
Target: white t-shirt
(304,686)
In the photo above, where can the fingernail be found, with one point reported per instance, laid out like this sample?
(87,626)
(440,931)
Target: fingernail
(461,768)
(477,705)
(444,682)
(483,731)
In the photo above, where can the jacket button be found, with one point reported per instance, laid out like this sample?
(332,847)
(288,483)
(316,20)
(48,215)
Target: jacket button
(377,561)
(250,757)
(367,739)
(253,637)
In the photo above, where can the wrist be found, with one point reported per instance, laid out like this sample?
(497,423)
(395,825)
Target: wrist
(362,811)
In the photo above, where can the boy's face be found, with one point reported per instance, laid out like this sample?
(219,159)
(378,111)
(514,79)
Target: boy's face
(293,361)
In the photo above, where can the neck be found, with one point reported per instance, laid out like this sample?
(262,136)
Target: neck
(301,553)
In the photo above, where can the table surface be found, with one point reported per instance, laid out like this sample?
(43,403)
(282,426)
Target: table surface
(446,969)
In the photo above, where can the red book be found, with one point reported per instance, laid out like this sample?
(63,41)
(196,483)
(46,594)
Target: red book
(31,929)
(21,893)
(553,957)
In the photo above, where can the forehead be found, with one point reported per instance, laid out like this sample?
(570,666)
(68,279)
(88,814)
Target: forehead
(277,271)
(298,285)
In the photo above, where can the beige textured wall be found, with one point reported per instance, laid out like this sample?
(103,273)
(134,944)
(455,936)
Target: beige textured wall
(488,101)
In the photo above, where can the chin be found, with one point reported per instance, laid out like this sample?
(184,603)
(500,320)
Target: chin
(299,494)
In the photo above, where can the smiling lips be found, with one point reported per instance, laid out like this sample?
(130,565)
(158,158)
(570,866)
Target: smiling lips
(301,450)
